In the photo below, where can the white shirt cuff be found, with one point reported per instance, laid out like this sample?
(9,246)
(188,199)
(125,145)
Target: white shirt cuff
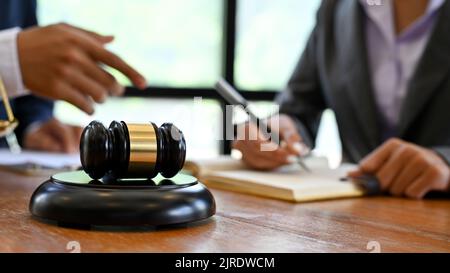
(9,63)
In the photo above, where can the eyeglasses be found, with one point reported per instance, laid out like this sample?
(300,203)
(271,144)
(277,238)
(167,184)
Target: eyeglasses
(8,126)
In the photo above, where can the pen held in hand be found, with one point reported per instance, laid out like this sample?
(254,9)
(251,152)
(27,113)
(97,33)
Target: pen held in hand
(300,161)
(233,97)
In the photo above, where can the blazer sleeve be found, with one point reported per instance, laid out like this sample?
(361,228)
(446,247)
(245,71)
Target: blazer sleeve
(30,110)
(302,98)
(444,152)
(31,14)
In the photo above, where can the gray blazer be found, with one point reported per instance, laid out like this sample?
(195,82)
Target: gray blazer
(333,72)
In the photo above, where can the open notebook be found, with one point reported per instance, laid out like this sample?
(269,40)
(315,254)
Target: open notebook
(289,183)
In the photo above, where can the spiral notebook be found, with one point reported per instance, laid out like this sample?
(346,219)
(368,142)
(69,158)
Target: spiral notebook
(290,183)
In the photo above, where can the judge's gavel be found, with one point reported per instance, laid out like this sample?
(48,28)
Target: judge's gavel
(132,150)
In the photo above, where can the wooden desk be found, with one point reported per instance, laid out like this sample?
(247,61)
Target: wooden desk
(242,224)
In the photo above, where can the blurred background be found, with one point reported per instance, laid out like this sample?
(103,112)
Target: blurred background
(183,47)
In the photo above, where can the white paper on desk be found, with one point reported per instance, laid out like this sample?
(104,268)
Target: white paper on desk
(49,160)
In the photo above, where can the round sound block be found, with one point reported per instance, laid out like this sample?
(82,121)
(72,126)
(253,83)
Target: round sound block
(73,198)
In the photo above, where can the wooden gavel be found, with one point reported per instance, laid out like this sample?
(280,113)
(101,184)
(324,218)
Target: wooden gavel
(132,150)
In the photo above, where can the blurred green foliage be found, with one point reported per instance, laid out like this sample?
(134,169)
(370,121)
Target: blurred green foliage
(271,37)
(178,43)
(175,43)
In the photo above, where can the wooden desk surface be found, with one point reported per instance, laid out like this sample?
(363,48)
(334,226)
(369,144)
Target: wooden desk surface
(242,224)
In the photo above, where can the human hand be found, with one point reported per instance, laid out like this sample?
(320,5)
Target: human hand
(63,62)
(406,169)
(259,153)
(53,136)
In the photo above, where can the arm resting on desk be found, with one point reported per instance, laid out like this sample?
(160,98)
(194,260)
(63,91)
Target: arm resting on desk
(30,110)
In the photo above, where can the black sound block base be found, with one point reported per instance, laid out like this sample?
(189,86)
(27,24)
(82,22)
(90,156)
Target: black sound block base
(74,199)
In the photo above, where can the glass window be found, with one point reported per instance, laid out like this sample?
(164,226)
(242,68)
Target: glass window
(178,44)
(173,43)
(270,37)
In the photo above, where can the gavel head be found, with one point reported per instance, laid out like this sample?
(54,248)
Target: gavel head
(132,150)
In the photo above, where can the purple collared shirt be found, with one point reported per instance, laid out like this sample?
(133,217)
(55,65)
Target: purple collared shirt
(393,58)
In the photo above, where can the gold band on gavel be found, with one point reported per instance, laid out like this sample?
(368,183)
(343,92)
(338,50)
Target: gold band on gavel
(143,149)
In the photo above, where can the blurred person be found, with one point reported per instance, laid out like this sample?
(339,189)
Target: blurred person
(385,71)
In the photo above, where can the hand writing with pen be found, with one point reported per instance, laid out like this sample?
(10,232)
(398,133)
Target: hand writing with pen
(262,154)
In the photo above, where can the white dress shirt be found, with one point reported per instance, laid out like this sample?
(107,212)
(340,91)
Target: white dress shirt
(393,58)
(9,63)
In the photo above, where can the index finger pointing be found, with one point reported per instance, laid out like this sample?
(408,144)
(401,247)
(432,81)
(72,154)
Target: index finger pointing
(100,54)
(116,62)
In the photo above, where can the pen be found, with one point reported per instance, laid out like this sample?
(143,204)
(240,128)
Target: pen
(232,96)
(369,184)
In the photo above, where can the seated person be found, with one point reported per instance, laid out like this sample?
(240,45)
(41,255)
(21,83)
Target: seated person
(385,71)
(54,62)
